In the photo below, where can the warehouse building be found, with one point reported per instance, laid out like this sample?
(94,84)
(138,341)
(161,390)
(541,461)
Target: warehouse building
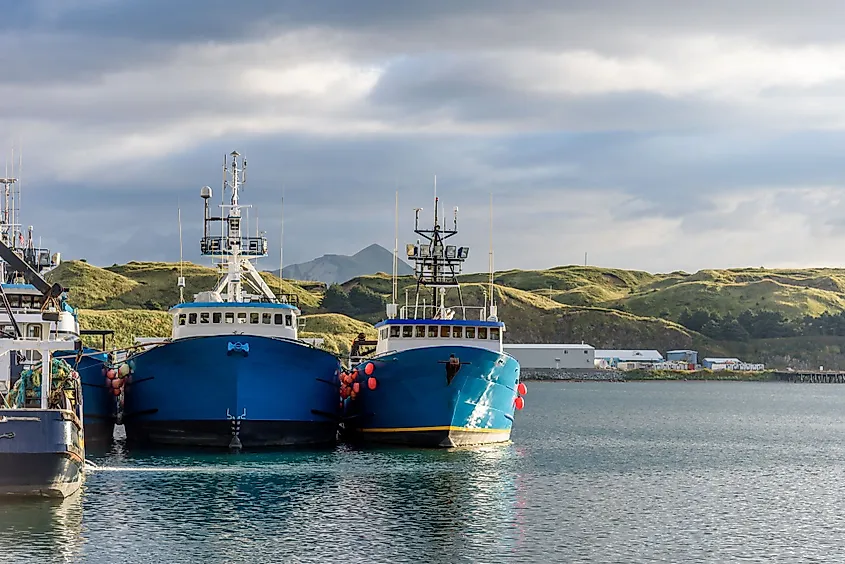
(627,359)
(682,355)
(552,356)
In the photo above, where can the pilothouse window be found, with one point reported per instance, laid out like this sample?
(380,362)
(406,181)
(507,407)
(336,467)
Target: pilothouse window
(444,331)
(482,332)
(204,317)
(457,332)
(420,333)
(242,317)
(432,331)
(266,318)
(470,333)
(494,333)
(288,320)
(192,318)
(278,319)
(394,330)
(182,318)
(407,331)
(253,317)
(230,317)
(215,317)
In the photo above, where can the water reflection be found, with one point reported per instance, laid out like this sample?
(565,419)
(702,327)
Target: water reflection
(41,530)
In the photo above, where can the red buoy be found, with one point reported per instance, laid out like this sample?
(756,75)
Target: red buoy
(116,391)
(371,383)
(354,375)
(519,402)
(356,387)
(522,389)
(369,368)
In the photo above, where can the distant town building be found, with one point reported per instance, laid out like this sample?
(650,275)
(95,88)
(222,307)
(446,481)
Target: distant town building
(731,364)
(552,356)
(627,359)
(682,355)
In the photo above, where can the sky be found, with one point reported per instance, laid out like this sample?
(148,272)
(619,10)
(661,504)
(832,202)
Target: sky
(655,135)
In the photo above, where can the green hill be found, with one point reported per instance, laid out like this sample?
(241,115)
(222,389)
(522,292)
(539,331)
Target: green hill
(784,317)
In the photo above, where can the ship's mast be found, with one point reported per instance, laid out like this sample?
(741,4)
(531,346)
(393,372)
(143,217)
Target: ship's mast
(233,249)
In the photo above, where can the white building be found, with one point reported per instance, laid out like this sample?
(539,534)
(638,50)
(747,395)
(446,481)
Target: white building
(552,356)
(628,359)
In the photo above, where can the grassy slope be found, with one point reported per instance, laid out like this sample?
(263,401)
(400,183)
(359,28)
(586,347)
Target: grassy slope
(568,303)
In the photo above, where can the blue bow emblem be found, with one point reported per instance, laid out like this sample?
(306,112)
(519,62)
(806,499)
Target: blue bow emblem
(242,348)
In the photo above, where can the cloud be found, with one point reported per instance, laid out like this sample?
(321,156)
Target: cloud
(627,130)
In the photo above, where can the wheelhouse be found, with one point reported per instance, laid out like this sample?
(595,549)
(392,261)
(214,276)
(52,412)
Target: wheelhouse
(403,334)
(195,319)
(26,303)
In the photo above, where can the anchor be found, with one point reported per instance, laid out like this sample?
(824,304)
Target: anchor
(235,443)
(453,365)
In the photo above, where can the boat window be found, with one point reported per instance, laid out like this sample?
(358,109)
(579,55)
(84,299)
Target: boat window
(204,317)
(470,334)
(254,317)
(458,332)
(182,318)
(420,332)
(394,330)
(15,301)
(407,331)
(266,318)
(432,331)
(34,331)
(215,317)
(384,332)
(482,332)
(278,319)
(192,318)
(288,320)
(445,330)
(241,317)
(230,317)
(494,333)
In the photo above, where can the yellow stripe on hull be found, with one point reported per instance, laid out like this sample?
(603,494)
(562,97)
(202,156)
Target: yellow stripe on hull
(438,428)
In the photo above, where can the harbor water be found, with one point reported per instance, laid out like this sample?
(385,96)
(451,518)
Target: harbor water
(596,472)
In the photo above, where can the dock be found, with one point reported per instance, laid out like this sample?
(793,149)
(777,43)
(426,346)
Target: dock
(810,377)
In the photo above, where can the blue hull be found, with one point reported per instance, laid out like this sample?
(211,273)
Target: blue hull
(414,404)
(211,392)
(99,403)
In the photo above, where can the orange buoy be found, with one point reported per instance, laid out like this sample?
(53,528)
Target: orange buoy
(519,402)
(116,383)
(354,375)
(356,387)
(369,368)
(116,391)
(522,389)
(111,373)
(371,383)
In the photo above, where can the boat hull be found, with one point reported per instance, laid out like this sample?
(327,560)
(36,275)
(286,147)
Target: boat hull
(230,391)
(415,403)
(41,453)
(100,405)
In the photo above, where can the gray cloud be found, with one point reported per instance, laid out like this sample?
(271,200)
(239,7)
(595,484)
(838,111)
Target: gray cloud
(626,129)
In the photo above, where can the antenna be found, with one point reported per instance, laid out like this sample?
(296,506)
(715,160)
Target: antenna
(585,258)
(181,281)
(395,246)
(282,241)
(492,299)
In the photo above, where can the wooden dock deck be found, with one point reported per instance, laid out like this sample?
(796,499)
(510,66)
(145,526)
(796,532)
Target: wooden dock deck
(810,377)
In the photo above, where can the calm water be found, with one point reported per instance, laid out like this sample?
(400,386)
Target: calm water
(647,472)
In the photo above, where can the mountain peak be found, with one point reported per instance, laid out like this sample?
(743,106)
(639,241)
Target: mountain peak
(336,269)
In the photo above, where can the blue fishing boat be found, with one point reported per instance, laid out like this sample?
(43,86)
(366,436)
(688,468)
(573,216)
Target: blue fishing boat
(436,376)
(234,373)
(23,267)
